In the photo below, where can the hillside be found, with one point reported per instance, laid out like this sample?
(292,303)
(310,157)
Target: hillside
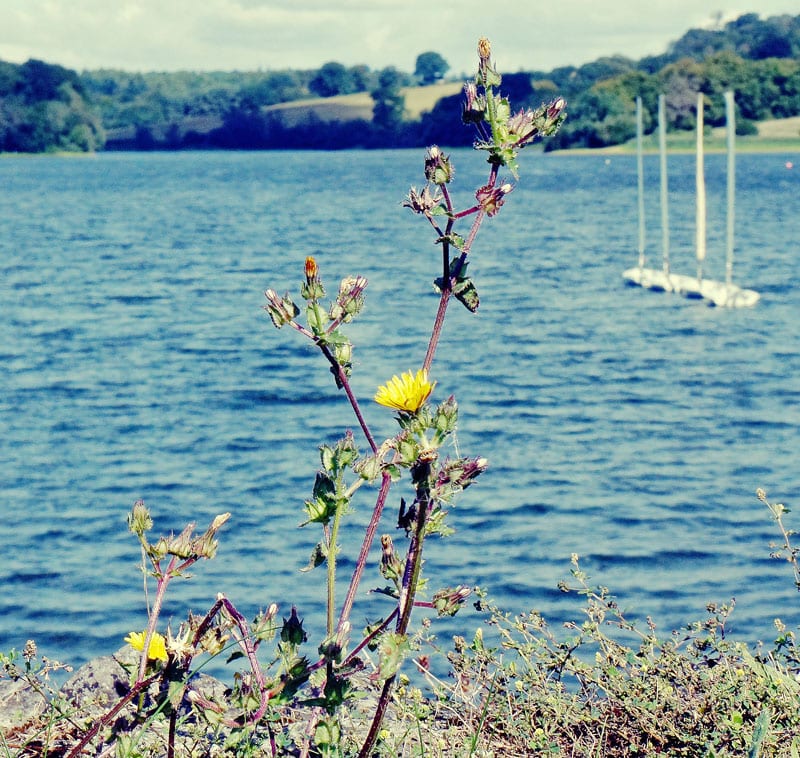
(359,105)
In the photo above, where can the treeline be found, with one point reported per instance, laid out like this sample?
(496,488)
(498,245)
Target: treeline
(758,60)
(48,107)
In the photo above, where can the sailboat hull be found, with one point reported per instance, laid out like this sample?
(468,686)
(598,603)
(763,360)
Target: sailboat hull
(724,294)
(716,293)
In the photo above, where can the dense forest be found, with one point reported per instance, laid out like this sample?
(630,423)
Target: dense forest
(45,107)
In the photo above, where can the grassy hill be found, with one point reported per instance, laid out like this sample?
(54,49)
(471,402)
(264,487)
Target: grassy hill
(359,105)
(774,135)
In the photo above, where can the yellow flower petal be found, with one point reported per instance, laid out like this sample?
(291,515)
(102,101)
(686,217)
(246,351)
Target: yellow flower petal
(157,650)
(407,392)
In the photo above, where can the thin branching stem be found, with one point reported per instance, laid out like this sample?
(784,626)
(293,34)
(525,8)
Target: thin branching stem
(345,383)
(369,537)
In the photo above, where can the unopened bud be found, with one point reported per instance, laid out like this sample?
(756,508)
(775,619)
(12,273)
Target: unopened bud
(139,520)
(491,198)
(391,567)
(438,168)
(292,631)
(182,546)
(281,310)
(448,601)
(312,288)
(474,106)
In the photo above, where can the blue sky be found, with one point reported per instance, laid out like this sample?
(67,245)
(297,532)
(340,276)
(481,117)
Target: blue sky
(168,35)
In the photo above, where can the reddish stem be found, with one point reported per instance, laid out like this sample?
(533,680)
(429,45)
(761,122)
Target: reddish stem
(369,536)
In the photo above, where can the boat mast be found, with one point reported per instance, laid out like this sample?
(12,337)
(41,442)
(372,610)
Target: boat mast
(730,117)
(640,175)
(662,149)
(700,183)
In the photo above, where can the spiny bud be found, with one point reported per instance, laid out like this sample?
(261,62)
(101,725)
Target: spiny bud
(391,567)
(139,520)
(491,198)
(475,105)
(281,310)
(438,168)
(422,202)
(449,600)
(350,299)
(446,419)
(292,631)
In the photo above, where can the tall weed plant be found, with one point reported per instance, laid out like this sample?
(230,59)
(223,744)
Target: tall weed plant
(599,687)
(291,700)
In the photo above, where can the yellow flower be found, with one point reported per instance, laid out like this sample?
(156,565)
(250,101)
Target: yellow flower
(406,392)
(157,650)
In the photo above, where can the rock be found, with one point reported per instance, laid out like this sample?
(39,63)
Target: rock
(20,704)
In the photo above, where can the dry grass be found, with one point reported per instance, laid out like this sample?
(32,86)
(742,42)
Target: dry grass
(359,105)
(780,128)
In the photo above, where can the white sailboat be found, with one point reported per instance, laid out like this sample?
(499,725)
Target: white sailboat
(725,293)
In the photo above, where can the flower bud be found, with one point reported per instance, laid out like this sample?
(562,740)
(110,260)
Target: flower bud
(446,419)
(182,546)
(139,520)
(474,106)
(292,631)
(312,289)
(422,202)
(438,168)
(350,299)
(159,550)
(448,601)
(282,311)
(311,269)
(491,198)
(391,567)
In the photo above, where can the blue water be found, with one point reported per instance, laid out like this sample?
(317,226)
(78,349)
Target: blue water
(627,426)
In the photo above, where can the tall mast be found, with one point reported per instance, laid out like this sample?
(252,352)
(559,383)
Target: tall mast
(730,117)
(640,184)
(662,149)
(700,183)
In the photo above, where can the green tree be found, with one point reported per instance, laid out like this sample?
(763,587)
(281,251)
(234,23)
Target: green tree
(332,79)
(430,67)
(387,114)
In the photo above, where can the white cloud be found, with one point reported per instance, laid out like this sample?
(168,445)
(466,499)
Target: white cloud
(271,34)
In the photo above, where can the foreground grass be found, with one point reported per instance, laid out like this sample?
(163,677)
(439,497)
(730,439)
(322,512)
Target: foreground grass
(599,687)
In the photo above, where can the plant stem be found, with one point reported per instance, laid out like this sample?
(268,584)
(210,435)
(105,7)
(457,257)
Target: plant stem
(366,544)
(407,593)
(345,383)
(447,280)
(332,542)
(140,686)
(161,589)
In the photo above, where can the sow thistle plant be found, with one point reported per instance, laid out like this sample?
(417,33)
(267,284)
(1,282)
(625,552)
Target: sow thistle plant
(293,703)
(534,693)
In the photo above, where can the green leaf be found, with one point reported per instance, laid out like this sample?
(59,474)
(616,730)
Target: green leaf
(318,556)
(466,294)
(393,649)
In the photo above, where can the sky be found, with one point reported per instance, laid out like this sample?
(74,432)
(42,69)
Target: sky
(269,35)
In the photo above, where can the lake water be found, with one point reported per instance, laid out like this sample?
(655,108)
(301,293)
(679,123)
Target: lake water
(630,427)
